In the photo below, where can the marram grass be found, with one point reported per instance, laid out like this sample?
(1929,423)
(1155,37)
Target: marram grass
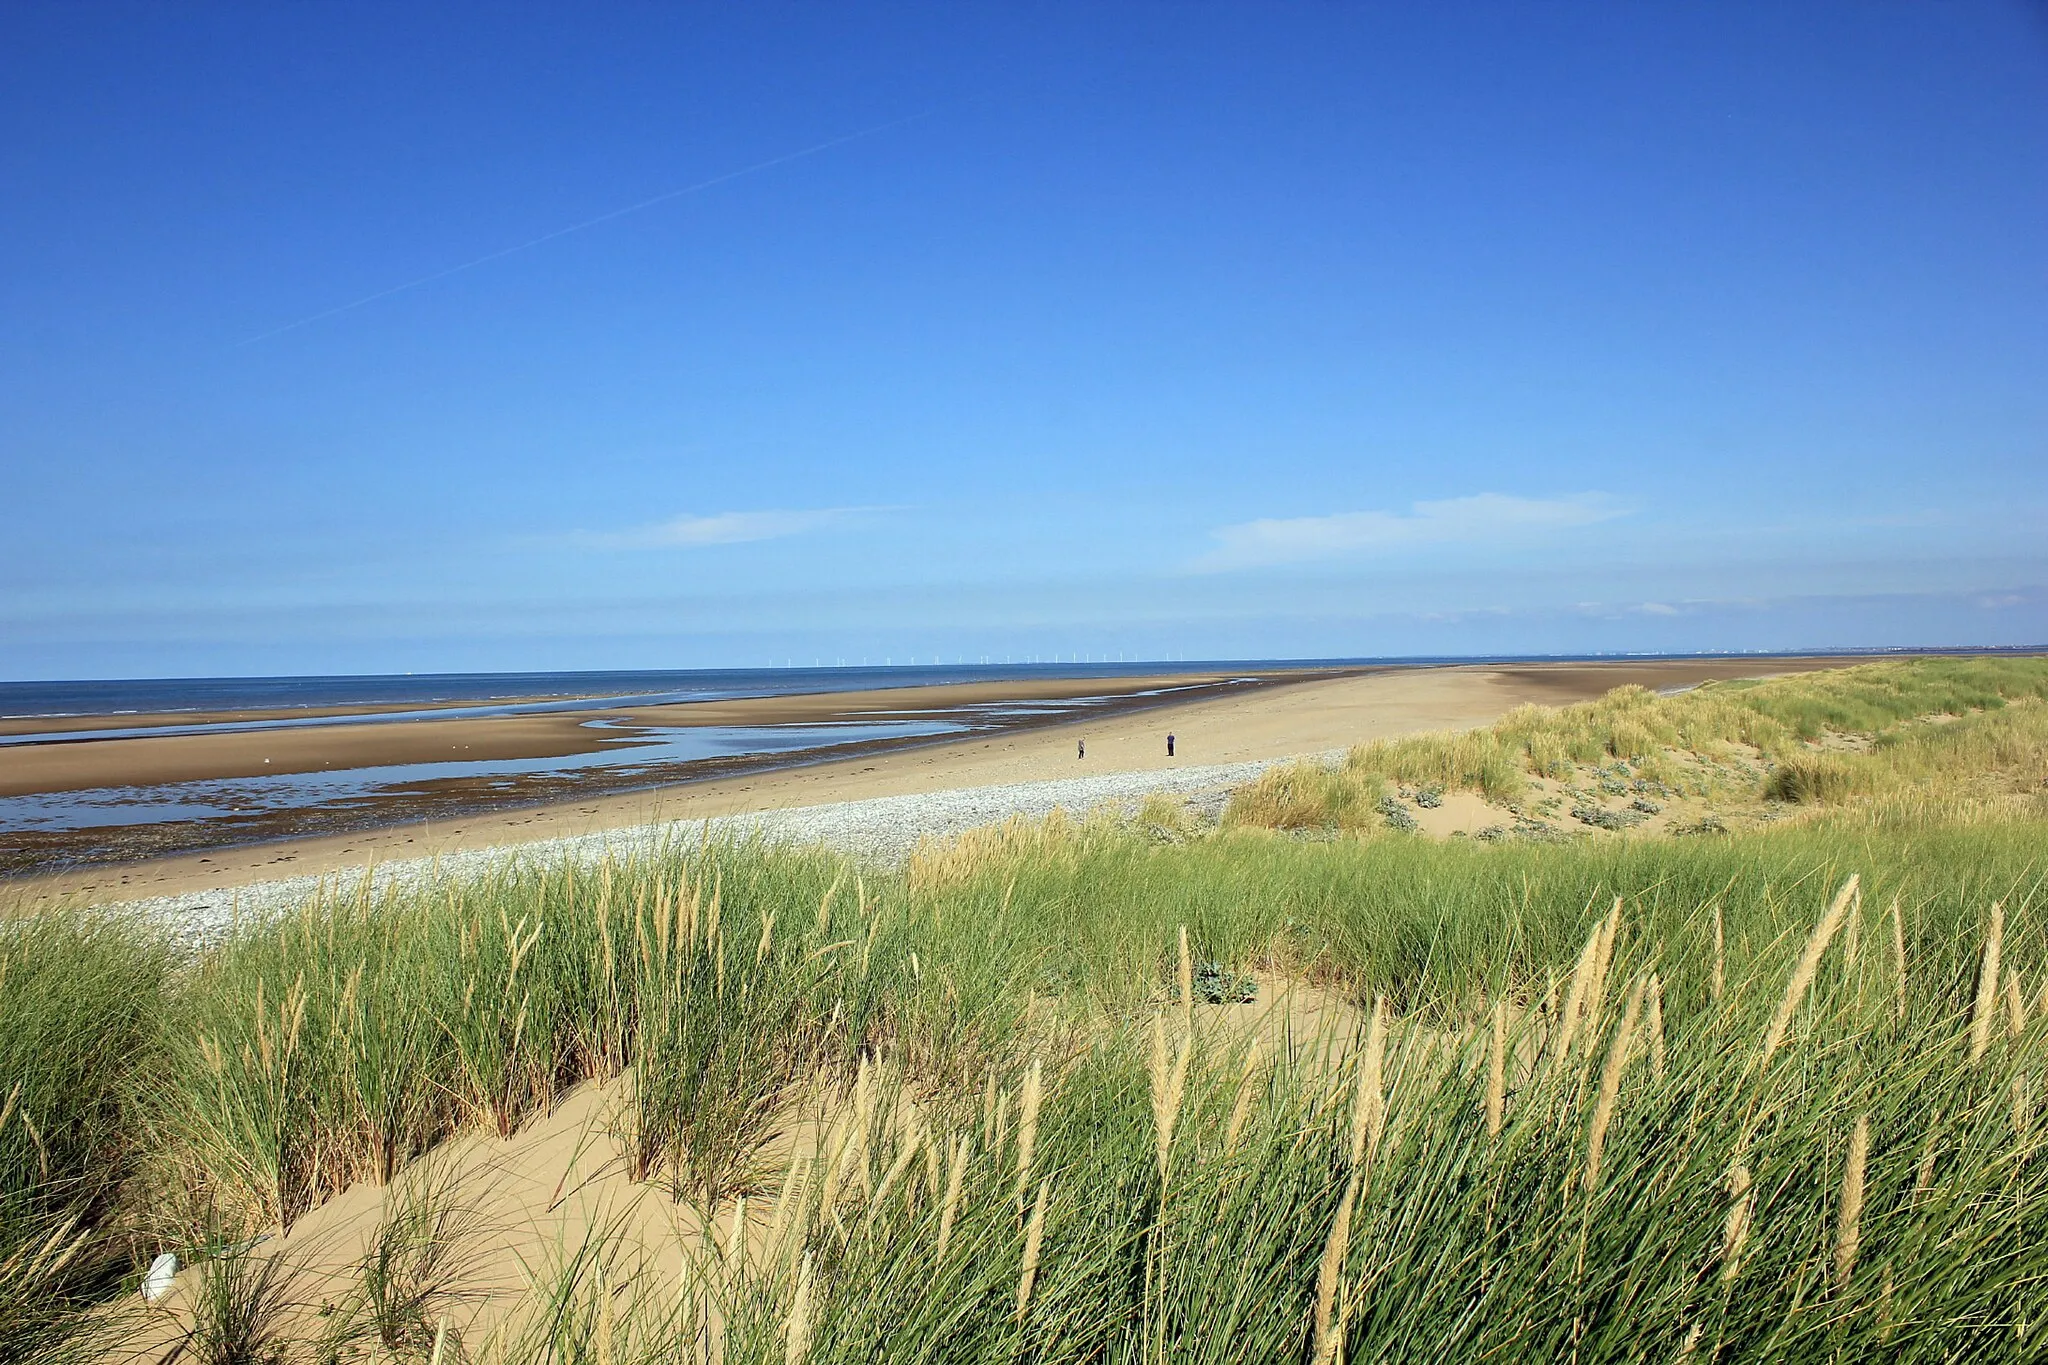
(1758,1214)
(1946,729)
(1519,1177)
(1770,1097)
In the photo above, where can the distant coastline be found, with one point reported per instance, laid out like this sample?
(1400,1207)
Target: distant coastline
(99,697)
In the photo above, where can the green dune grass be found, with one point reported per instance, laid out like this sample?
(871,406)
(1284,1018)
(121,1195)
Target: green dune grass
(1693,1126)
(1960,728)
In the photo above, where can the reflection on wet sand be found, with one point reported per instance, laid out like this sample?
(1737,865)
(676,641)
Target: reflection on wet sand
(68,797)
(628,752)
(82,761)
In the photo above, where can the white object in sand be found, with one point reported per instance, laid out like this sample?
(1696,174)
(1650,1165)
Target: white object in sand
(162,1271)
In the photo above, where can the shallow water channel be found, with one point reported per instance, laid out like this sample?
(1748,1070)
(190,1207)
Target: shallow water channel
(635,748)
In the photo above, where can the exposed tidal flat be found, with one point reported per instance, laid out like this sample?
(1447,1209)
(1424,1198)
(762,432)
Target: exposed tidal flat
(102,787)
(1310,1067)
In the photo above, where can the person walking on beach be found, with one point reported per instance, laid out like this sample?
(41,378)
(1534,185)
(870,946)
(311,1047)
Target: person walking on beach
(1169,746)
(1080,748)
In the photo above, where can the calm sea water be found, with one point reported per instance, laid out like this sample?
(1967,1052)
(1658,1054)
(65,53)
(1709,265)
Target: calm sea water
(493,691)
(496,693)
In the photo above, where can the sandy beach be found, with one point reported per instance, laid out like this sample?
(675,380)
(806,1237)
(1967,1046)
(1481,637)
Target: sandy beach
(241,783)
(1273,722)
(88,763)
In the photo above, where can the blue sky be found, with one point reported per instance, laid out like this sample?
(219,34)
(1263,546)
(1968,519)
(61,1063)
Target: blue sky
(1154,330)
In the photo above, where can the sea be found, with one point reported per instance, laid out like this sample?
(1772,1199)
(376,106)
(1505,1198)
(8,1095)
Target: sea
(503,693)
(495,693)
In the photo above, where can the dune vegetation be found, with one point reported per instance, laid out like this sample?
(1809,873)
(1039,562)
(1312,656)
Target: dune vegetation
(1115,1088)
(1959,731)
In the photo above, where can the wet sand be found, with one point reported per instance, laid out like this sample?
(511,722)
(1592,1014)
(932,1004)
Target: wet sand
(1315,715)
(82,765)
(142,720)
(113,764)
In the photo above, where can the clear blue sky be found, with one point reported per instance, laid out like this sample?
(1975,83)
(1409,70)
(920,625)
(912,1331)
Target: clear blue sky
(1191,329)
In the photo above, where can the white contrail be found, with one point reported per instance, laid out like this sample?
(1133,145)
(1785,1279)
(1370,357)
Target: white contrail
(602,218)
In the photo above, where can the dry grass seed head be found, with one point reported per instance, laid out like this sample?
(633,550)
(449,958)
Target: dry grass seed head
(1169,1083)
(1987,984)
(1027,1125)
(1330,1274)
(795,1185)
(1603,963)
(1369,1110)
(904,1156)
(1575,995)
(1849,1218)
(736,1239)
(1034,1234)
(1802,974)
(1735,1227)
(949,1209)
(1610,1083)
(1852,933)
(1187,982)
(796,1338)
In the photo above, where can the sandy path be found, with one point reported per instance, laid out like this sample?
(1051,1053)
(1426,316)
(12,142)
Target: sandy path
(1271,723)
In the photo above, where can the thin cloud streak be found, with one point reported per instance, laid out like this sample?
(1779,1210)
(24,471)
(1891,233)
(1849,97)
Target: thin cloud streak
(721,528)
(1482,518)
(588,223)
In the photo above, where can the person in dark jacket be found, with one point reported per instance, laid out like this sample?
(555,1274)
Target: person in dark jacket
(1169,746)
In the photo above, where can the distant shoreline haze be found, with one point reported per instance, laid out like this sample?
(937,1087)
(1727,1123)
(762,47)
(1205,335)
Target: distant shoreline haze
(62,697)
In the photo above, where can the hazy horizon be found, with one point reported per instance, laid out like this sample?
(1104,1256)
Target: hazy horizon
(913,670)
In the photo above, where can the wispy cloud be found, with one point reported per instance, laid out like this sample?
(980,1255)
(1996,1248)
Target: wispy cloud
(719,528)
(1480,519)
